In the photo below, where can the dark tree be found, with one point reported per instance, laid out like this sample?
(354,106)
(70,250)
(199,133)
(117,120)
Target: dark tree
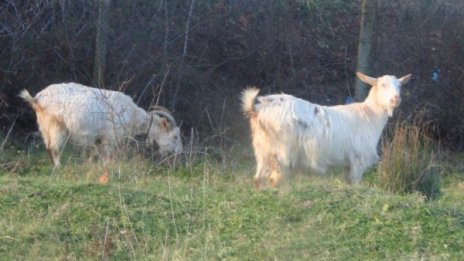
(101,42)
(364,45)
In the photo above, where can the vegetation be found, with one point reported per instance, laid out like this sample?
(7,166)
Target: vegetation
(409,162)
(205,209)
(195,57)
(307,48)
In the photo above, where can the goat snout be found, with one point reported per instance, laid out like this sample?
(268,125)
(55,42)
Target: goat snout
(396,100)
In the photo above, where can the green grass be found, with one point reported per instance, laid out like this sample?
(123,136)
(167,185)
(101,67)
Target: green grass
(206,210)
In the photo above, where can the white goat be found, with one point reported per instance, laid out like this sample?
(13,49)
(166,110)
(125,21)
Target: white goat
(91,117)
(292,135)
(165,132)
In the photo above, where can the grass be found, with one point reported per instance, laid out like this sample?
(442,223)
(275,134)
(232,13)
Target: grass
(409,161)
(208,210)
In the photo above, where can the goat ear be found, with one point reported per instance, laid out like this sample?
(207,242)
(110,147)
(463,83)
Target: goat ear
(405,79)
(165,124)
(367,79)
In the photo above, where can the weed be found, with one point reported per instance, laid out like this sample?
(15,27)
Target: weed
(408,161)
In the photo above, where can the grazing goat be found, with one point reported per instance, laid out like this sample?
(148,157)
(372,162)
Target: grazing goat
(165,132)
(292,135)
(91,117)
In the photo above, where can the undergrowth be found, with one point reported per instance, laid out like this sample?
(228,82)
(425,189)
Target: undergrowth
(208,209)
(409,160)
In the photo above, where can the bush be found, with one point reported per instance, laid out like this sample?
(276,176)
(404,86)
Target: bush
(408,160)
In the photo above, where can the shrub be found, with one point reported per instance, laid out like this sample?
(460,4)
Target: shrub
(408,160)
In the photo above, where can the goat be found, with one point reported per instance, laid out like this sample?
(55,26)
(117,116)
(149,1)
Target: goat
(165,132)
(290,134)
(91,117)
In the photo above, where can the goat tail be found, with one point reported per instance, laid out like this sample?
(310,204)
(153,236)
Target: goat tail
(249,100)
(26,96)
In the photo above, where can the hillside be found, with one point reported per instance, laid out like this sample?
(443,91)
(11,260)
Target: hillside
(205,210)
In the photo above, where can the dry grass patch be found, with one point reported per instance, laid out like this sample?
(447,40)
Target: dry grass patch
(409,160)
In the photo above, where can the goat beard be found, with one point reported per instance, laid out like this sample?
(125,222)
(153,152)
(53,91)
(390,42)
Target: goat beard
(390,111)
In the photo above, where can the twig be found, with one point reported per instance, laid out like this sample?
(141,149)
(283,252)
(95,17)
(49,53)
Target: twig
(166,30)
(8,133)
(145,88)
(163,82)
(184,54)
(106,238)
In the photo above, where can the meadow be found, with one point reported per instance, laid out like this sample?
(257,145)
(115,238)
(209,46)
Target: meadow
(203,208)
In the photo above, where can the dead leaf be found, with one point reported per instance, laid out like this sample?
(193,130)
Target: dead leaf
(104,178)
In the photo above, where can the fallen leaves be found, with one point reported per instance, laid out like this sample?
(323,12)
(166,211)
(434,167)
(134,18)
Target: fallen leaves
(104,178)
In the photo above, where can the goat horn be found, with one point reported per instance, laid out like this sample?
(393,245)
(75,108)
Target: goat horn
(167,115)
(159,108)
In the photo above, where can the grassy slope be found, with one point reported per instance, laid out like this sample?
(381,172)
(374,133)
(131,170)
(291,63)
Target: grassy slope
(207,211)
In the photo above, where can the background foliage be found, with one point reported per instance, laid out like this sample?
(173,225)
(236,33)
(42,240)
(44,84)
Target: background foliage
(302,47)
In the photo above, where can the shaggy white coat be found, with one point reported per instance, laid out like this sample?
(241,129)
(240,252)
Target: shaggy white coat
(293,135)
(88,116)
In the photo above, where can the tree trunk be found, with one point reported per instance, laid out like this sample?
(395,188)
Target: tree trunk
(364,45)
(184,55)
(101,42)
